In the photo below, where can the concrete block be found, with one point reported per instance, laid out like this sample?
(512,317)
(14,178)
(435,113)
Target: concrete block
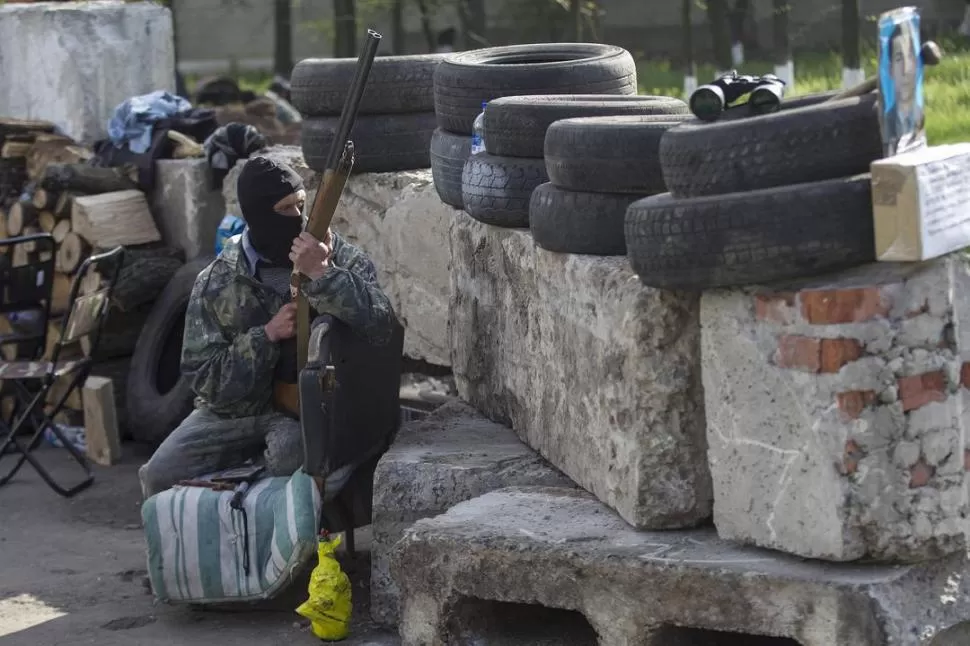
(453,455)
(398,219)
(477,573)
(837,412)
(598,373)
(72,63)
(186,207)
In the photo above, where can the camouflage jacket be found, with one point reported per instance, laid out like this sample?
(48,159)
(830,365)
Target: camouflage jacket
(226,354)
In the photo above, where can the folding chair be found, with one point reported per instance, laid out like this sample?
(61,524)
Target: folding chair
(25,302)
(85,317)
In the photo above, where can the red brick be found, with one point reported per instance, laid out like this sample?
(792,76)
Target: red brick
(920,390)
(850,460)
(851,404)
(965,375)
(838,352)
(777,308)
(920,474)
(799,353)
(830,307)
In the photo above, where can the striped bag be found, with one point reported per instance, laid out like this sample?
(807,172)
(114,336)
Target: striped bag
(196,542)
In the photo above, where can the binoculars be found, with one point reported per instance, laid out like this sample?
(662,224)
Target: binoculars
(708,102)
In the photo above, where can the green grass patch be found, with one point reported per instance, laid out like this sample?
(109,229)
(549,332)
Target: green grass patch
(947,85)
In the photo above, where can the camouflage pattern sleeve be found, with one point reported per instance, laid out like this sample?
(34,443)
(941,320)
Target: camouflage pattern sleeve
(225,368)
(349,291)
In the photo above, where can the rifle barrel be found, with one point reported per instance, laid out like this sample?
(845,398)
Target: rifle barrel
(354,95)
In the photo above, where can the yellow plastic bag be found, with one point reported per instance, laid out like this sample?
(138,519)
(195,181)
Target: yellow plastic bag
(329,605)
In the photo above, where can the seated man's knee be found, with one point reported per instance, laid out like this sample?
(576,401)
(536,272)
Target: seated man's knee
(154,478)
(284,448)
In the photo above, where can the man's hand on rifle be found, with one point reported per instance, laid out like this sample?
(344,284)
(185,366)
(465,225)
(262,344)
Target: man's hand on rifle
(310,256)
(283,325)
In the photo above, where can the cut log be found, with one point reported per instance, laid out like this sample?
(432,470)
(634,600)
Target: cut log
(3,227)
(20,257)
(61,230)
(69,351)
(117,218)
(31,247)
(65,202)
(59,389)
(101,433)
(90,283)
(117,371)
(71,253)
(50,150)
(145,273)
(60,293)
(46,221)
(120,334)
(86,179)
(15,149)
(43,199)
(24,126)
(21,214)
(69,417)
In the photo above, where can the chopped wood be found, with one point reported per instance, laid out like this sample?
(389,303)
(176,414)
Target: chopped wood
(90,283)
(70,350)
(69,417)
(46,221)
(59,389)
(144,274)
(11,125)
(59,150)
(116,218)
(3,228)
(102,437)
(60,293)
(86,179)
(15,149)
(45,256)
(71,252)
(117,370)
(31,247)
(61,230)
(20,257)
(21,214)
(43,199)
(65,202)
(119,335)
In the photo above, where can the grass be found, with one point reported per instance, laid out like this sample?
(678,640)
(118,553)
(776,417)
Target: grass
(947,86)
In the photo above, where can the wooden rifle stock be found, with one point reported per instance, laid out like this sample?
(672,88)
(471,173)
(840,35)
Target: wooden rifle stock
(340,162)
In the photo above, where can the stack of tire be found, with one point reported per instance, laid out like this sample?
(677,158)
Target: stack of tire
(597,167)
(499,189)
(756,199)
(396,116)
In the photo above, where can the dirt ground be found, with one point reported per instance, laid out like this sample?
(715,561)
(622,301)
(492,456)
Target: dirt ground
(71,573)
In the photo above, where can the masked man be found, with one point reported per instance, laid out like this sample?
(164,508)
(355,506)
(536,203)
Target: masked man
(240,326)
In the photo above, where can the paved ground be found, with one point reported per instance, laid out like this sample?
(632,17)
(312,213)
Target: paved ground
(71,572)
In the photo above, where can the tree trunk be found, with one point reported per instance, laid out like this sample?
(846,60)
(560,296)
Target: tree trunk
(345,29)
(471,14)
(283,41)
(717,15)
(851,59)
(784,63)
(398,35)
(426,28)
(576,15)
(690,62)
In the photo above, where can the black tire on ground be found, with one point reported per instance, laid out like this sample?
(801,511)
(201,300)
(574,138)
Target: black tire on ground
(449,152)
(463,81)
(382,143)
(497,190)
(574,222)
(516,126)
(807,144)
(753,237)
(158,396)
(608,154)
(396,84)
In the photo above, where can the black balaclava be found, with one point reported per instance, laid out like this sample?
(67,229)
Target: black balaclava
(262,183)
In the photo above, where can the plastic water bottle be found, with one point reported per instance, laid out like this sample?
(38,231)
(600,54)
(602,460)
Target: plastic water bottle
(478,132)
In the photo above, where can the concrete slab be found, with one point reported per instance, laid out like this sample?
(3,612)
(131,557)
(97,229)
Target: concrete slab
(519,551)
(837,412)
(598,373)
(398,219)
(71,570)
(453,455)
(72,63)
(186,207)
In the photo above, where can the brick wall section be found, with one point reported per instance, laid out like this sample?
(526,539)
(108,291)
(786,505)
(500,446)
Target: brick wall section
(852,385)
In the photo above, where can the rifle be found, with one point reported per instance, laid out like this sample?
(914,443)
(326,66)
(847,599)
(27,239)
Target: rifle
(340,162)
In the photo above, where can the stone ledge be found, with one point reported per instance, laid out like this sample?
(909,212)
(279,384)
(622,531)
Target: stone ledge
(836,412)
(598,373)
(398,219)
(451,456)
(563,549)
(186,207)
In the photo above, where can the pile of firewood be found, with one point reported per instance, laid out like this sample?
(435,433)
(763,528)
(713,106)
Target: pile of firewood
(86,209)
